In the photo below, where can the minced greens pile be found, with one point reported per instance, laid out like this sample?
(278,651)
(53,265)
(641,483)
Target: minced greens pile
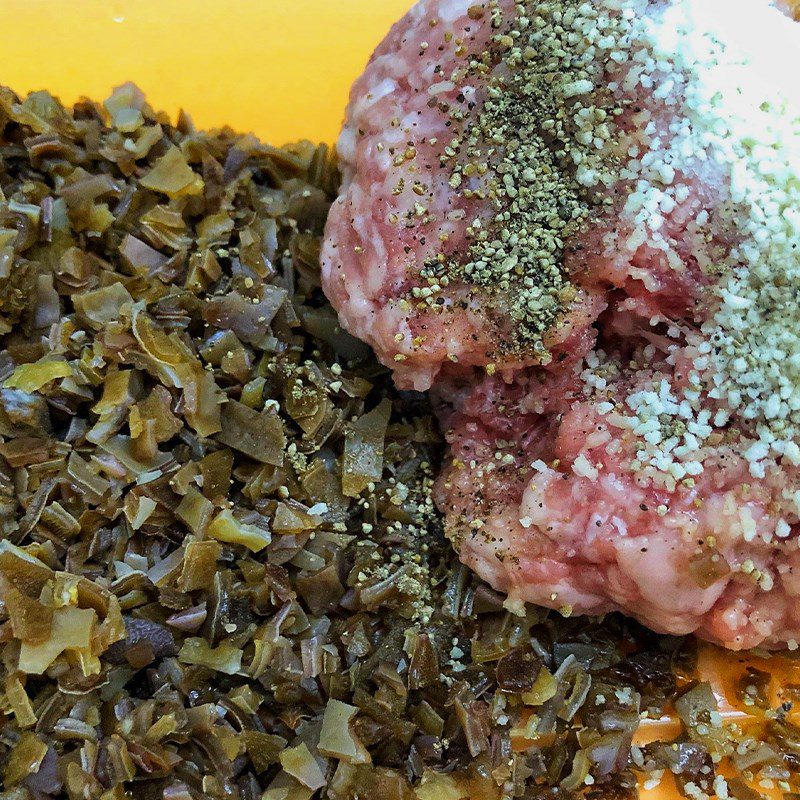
(222,574)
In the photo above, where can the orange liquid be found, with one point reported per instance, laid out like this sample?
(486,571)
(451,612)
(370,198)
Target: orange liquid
(723,669)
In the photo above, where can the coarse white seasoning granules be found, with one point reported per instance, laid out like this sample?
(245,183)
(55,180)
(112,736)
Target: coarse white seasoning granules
(723,106)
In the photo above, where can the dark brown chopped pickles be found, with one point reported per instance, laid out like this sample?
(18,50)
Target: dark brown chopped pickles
(221,571)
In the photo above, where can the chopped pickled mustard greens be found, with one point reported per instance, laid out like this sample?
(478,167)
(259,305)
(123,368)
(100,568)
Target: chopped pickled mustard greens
(222,574)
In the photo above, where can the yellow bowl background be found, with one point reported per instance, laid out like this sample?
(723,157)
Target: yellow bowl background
(279,68)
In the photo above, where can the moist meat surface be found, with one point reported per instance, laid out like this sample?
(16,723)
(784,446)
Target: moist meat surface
(563,217)
(416,259)
(541,500)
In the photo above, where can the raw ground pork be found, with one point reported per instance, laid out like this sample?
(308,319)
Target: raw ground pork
(539,490)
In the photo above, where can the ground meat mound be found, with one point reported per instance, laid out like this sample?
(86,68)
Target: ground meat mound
(557,216)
